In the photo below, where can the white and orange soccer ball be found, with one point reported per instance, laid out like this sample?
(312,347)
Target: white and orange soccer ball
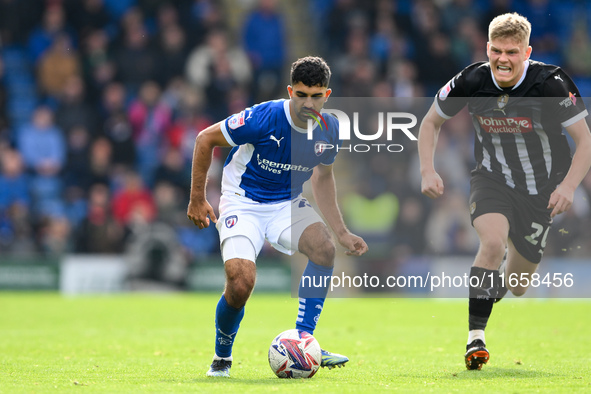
(295,354)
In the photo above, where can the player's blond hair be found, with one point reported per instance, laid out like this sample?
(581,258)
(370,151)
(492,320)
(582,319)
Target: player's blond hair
(510,25)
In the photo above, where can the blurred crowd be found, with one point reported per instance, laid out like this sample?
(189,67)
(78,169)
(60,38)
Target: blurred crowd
(101,100)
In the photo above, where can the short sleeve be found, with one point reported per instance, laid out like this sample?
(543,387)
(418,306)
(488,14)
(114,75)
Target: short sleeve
(330,157)
(452,97)
(331,154)
(241,128)
(564,98)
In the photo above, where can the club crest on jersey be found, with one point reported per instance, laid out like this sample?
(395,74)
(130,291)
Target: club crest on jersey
(231,221)
(502,101)
(320,147)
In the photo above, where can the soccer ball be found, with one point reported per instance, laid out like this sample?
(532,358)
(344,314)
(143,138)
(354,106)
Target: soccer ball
(294,354)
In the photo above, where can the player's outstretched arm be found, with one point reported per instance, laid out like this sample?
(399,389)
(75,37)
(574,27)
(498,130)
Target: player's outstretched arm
(562,198)
(199,209)
(324,190)
(431,182)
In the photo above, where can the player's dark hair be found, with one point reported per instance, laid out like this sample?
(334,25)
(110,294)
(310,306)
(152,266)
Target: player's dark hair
(311,71)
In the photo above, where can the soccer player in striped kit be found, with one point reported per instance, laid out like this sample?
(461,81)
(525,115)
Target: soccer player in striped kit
(525,174)
(261,200)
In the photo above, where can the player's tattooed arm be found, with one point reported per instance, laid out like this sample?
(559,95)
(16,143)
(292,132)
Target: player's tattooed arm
(199,208)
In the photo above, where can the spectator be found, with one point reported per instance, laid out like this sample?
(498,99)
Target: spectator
(43,147)
(265,44)
(382,42)
(338,25)
(15,204)
(55,235)
(173,171)
(170,202)
(216,68)
(372,214)
(404,76)
(191,119)
(199,17)
(98,232)
(361,80)
(578,53)
(88,15)
(73,110)
(149,119)
(57,65)
(116,126)
(167,15)
(357,53)
(545,36)
(172,52)
(53,25)
(133,203)
(101,166)
(437,53)
(14,189)
(97,64)
(458,11)
(77,169)
(410,227)
(135,60)
(42,144)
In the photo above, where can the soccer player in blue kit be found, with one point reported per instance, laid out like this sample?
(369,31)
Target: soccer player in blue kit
(261,199)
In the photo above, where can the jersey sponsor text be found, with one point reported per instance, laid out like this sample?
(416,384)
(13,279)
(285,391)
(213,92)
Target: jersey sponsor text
(277,168)
(512,125)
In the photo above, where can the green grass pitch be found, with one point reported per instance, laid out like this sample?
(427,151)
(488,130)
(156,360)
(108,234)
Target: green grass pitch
(164,344)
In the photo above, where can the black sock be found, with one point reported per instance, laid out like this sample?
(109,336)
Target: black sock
(483,292)
(502,286)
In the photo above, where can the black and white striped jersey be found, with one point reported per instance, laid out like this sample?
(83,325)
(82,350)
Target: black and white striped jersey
(519,138)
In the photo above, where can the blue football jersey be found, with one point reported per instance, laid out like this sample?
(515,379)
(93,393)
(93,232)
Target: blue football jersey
(272,158)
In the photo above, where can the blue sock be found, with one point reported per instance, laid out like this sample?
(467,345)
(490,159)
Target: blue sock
(312,293)
(227,322)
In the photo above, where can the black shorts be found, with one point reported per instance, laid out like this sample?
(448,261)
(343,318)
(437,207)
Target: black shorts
(529,220)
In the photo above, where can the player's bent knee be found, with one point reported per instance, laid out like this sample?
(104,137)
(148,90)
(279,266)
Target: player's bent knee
(493,245)
(238,290)
(241,279)
(493,249)
(238,293)
(324,253)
